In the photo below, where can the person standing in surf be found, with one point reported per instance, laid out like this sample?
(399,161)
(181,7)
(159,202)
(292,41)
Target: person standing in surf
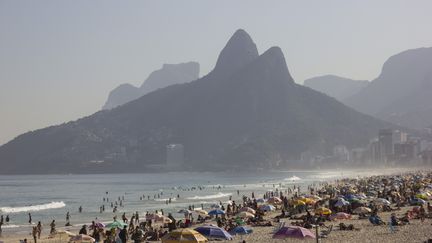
(30,218)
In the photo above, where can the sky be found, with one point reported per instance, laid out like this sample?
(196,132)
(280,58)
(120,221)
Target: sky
(60,59)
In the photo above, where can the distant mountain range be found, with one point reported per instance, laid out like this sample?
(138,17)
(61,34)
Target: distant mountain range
(246,113)
(335,86)
(168,75)
(402,93)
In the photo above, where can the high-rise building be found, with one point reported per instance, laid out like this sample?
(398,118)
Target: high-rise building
(175,156)
(385,141)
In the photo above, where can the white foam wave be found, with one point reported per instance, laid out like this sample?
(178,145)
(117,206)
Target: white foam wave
(9,226)
(31,208)
(292,178)
(165,199)
(218,195)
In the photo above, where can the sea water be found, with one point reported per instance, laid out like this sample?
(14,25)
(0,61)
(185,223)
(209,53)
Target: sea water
(49,197)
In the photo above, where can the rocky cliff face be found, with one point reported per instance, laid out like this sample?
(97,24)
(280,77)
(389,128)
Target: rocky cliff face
(401,93)
(168,75)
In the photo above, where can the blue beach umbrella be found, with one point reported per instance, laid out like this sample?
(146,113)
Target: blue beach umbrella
(267,208)
(261,200)
(214,232)
(241,230)
(216,212)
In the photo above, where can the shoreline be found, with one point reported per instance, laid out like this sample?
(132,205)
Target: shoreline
(364,174)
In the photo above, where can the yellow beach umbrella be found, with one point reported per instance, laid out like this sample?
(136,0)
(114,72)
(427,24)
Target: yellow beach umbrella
(184,236)
(323,211)
(298,202)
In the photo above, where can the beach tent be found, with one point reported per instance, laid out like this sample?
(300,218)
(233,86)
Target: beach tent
(214,232)
(116,224)
(82,239)
(245,215)
(363,210)
(184,236)
(216,212)
(293,232)
(241,230)
(248,209)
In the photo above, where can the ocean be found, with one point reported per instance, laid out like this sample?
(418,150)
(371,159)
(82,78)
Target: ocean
(49,197)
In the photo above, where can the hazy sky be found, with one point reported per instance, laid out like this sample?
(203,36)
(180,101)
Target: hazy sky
(60,59)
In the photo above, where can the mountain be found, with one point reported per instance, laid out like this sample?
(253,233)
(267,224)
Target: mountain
(246,117)
(402,93)
(335,86)
(169,74)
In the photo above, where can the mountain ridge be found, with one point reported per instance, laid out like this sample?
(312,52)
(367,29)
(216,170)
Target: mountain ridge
(256,116)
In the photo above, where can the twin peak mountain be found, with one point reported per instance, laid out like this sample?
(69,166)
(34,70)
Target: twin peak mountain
(248,111)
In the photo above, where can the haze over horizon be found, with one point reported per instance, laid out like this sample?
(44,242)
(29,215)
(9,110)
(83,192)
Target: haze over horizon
(60,60)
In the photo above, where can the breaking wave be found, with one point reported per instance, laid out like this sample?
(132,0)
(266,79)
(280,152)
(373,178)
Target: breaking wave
(31,208)
(218,195)
(292,178)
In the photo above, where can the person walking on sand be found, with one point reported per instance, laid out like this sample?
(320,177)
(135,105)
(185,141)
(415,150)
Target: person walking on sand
(53,225)
(39,229)
(34,234)
(422,213)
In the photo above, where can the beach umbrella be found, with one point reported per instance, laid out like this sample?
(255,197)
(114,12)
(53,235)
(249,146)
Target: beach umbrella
(274,200)
(163,219)
(241,230)
(82,239)
(340,215)
(116,224)
(201,211)
(184,236)
(261,200)
(381,201)
(323,211)
(363,210)
(98,225)
(245,215)
(417,201)
(298,202)
(248,209)
(293,232)
(214,232)
(422,196)
(184,211)
(267,208)
(216,212)
(341,202)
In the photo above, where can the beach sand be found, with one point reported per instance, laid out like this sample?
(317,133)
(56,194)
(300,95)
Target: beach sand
(416,231)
